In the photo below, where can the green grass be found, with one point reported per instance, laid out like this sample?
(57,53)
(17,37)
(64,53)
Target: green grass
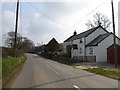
(108,73)
(0,71)
(9,64)
(98,70)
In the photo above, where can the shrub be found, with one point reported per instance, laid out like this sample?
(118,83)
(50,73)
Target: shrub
(47,55)
(9,64)
(10,52)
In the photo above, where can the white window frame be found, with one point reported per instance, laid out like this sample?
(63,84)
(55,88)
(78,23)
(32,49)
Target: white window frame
(80,50)
(76,47)
(90,50)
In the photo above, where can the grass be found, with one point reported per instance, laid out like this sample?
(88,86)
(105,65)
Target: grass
(0,71)
(115,74)
(98,70)
(9,64)
(108,73)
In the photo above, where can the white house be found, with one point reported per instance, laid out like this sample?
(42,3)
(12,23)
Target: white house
(90,45)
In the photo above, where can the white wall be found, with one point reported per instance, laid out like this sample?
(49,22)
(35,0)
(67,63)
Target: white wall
(118,41)
(95,34)
(76,52)
(91,37)
(101,49)
(88,50)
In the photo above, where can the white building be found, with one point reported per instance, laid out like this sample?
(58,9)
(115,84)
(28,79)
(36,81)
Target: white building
(90,45)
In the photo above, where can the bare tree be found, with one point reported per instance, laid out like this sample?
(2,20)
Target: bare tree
(99,19)
(22,42)
(10,37)
(27,44)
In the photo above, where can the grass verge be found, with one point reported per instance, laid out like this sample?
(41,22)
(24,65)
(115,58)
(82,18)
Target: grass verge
(0,72)
(98,70)
(9,65)
(102,71)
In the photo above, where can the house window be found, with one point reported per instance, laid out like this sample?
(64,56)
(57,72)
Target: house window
(75,46)
(80,41)
(80,50)
(91,50)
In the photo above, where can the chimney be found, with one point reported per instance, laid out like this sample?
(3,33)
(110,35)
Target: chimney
(75,33)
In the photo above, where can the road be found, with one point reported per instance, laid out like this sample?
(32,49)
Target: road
(38,72)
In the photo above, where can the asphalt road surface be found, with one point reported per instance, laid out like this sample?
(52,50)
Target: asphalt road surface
(39,72)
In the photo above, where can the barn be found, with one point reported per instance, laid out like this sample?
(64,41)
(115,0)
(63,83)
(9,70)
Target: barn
(111,55)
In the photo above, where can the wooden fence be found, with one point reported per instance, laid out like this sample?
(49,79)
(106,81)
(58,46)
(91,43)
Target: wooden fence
(85,58)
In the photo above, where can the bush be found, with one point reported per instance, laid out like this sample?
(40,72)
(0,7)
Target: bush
(0,70)
(47,55)
(58,58)
(10,52)
(9,64)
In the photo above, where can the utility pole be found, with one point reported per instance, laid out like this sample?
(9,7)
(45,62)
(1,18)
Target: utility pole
(114,37)
(16,27)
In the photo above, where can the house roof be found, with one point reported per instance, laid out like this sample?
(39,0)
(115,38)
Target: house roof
(97,40)
(83,34)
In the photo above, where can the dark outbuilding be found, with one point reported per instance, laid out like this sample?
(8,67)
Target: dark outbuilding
(111,55)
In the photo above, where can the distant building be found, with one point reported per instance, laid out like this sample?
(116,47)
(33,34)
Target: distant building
(90,45)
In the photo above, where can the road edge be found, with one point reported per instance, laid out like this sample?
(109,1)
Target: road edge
(13,75)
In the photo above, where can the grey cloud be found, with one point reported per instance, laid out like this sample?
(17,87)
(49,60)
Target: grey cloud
(57,9)
(40,28)
(10,6)
(8,19)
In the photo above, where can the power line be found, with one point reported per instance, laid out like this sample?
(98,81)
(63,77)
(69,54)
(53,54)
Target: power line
(68,28)
(90,13)
(86,16)
(47,15)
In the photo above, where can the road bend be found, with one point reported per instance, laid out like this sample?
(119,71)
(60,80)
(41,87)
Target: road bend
(39,72)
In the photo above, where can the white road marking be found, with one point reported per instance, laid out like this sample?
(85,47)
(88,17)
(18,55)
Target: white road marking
(53,70)
(76,87)
(35,55)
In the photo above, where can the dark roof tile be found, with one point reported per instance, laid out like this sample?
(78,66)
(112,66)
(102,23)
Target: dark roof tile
(81,35)
(97,40)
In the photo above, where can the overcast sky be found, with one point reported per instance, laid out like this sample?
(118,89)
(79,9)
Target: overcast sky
(41,20)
